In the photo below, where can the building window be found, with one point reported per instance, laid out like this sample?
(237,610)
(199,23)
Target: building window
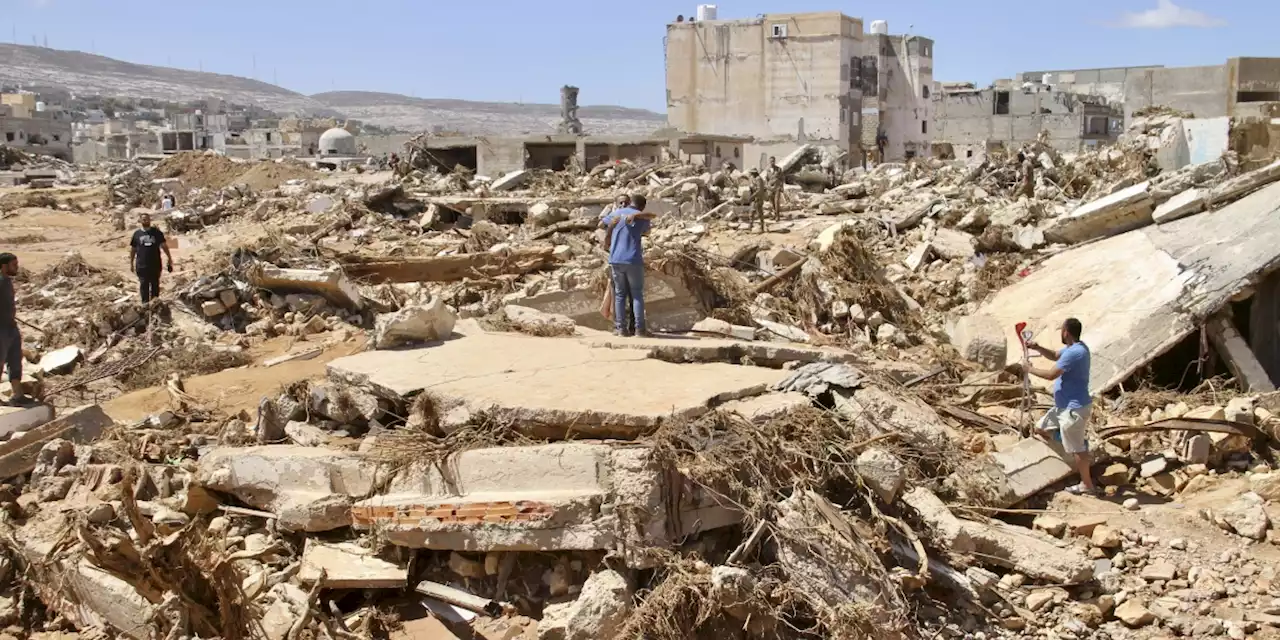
(57,137)
(844,114)
(924,126)
(779,30)
(8,135)
(1001,107)
(925,92)
(737,151)
(969,153)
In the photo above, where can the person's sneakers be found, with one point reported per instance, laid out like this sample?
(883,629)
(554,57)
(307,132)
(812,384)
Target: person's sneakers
(22,401)
(621,334)
(1081,490)
(644,333)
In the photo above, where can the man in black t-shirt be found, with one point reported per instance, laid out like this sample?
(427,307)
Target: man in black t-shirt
(144,257)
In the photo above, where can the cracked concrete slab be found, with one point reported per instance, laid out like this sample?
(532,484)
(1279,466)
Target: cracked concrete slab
(554,386)
(1140,293)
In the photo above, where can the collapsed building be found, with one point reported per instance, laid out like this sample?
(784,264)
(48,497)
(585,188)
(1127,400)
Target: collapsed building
(387,404)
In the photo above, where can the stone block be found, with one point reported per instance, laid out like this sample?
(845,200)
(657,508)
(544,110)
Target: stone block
(980,339)
(330,283)
(414,324)
(1116,213)
(82,425)
(349,566)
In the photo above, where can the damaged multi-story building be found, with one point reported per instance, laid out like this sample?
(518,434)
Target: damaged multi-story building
(972,121)
(793,79)
(28,124)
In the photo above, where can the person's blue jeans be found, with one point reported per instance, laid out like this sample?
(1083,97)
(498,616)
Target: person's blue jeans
(628,281)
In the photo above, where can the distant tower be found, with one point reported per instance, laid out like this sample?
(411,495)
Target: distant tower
(569,122)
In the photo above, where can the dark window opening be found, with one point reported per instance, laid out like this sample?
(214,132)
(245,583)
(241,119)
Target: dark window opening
(911,153)
(737,152)
(925,92)
(507,217)
(1258,96)
(8,135)
(924,126)
(446,159)
(969,153)
(1002,103)
(57,137)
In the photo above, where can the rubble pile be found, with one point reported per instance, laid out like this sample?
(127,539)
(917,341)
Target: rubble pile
(820,444)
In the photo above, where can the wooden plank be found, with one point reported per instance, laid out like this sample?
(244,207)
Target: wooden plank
(1237,354)
(976,419)
(450,268)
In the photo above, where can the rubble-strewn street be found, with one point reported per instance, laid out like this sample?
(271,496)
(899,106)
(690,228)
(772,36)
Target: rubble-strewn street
(373,404)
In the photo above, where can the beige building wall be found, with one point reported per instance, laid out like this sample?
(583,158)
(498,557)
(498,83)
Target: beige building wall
(783,79)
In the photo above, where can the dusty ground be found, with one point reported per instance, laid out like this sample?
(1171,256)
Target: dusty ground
(234,390)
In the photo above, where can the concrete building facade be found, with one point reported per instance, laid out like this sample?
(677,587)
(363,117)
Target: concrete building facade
(783,79)
(972,121)
(23,126)
(1234,88)
(897,86)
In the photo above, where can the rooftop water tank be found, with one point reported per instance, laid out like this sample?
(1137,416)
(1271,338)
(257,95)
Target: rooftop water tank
(40,106)
(706,12)
(880,27)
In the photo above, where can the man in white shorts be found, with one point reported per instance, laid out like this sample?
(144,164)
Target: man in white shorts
(1071,401)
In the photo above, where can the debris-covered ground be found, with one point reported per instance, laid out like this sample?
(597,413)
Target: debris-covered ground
(386,404)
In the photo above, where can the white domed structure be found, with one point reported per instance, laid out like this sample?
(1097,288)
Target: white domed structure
(337,142)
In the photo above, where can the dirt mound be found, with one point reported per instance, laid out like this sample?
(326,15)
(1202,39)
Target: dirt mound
(269,175)
(201,170)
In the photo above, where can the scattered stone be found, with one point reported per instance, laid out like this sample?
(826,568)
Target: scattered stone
(1051,525)
(1132,504)
(1115,475)
(1106,538)
(1133,614)
(882,472)
(1154,466)
(1247,516)
(1159,571)
(414,324)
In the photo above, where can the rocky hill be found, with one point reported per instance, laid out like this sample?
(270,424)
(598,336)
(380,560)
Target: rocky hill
(89,74)
(492,118)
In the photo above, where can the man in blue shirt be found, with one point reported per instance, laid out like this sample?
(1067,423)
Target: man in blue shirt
(626,229)
(1072,404)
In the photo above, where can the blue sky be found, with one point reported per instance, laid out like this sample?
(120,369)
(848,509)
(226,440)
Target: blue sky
(523,50)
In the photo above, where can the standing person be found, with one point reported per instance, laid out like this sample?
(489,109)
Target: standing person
(623,202)
(144,257)
(626,229)
(1028,175)
(759,191)
(10,335)
(775,182)
(1072,404)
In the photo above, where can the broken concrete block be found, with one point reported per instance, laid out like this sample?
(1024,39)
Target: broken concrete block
(882,472)
(542,214)
(23,419)
(979,338)
(1121,211)
(1244,184)
(414,324)
(1187,203)
(1154,466)
(1133,614)
(818,378)
(60,361)
(228,298)
(1247,516)
(539,498)
(827,237)
(825,556)
(309,488)
(917,257)
(284,604)
(1025,469)
(341,403)
(764,408)
(1266,485)
(1197,448)
(82,425)
(776,259)
(212,308)
(331,283)
(783,331)
(881,413)
(511,180)
(306,435)
(539,323)
(948,531)
(1030,553)
(349,566)
(599,611)
(950,244)
(714,325)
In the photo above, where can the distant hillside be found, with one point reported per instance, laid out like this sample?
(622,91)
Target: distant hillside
(484,118)
(89,74)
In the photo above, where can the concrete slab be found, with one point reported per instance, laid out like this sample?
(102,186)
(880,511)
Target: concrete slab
(23,418)
(1140,293)
(766,407)
(679,349)
(554,386)
(1030,466)
(510,180)
(330,283)
(309,488)
(1121,211)
(85,424)
(1031,553)
(669,306)
(1187,203)
(349,566)
(570,496)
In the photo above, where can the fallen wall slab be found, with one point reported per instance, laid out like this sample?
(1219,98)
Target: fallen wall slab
(547,497)
(449,268)
(1031,553)
(552,387)
(1139,293)
(85,424)
(309,488)
(1119,212)
(668,305)
(23,418)
(330,283)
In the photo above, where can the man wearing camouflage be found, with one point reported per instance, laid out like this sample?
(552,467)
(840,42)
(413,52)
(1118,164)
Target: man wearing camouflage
(774,179)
